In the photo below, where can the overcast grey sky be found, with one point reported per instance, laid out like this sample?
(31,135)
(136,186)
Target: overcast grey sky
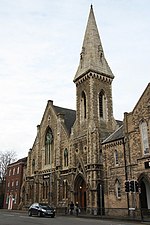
(40,45)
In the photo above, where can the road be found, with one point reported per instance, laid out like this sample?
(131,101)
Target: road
(19,218)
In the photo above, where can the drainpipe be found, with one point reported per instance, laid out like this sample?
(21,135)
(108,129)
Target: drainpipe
(126,172)
(126,134)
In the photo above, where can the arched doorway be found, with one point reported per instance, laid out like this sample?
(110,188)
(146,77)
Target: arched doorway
(144,185)
(80,192)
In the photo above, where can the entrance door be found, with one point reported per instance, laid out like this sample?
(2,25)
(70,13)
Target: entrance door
(143,197)
(80,192)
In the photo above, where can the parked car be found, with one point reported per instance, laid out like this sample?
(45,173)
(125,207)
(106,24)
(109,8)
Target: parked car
(41,209)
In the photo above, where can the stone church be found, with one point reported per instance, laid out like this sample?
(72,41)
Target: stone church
(70,159)
(126,162)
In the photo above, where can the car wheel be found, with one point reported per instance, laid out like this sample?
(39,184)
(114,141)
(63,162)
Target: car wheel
(39,214)
(30,213)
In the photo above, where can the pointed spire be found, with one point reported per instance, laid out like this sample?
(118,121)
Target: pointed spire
(92,56)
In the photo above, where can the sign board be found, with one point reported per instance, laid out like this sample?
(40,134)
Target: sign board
(46,176)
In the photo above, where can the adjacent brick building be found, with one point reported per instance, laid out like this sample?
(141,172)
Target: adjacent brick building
(2,191)
(14,180)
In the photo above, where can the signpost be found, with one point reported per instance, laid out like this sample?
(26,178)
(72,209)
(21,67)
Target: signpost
(132,186)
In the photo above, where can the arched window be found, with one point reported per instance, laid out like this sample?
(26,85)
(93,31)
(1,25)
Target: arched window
(83,106)
(118,189)
(102,104)
(144,138)
(33,165)
(31,189)
(116,157)
(46,191)
(66,157)
(48,146)
(43,191)
(65,189)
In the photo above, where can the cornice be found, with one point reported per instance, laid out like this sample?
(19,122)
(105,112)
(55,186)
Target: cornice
(102,77)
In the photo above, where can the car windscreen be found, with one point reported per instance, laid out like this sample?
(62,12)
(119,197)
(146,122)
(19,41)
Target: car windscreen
(45,207)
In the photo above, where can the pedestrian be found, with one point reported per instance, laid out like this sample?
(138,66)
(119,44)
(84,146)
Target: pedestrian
(71,208)
(77,208)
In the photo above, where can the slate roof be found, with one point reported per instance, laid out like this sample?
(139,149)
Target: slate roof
(119,122)
(22,160)
(118,134)
(69,116)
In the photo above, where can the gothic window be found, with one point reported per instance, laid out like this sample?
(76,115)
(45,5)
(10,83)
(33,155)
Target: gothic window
(116,157)
(83,106)
(47,190)
(48,146)
(65,189)
(30,191)
(101,104)
(66,157)
(33,165)
(85,149)
(43,191)
(144,137)
(118,189)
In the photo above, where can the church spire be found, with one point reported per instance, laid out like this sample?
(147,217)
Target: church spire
(92,56)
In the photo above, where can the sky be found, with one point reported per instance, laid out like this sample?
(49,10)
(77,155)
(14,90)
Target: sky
(40,45)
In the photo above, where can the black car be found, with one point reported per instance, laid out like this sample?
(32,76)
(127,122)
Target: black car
(41,209)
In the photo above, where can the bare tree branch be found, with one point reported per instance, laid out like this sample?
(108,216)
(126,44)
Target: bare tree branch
(5,159)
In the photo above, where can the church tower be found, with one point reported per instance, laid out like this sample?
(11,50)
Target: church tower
(94,115)
(93,83)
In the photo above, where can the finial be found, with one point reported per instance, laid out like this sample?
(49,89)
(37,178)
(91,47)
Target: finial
(91,6)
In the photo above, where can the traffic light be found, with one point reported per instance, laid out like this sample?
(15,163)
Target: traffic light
(136,186)
(132,185)
(127,186)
